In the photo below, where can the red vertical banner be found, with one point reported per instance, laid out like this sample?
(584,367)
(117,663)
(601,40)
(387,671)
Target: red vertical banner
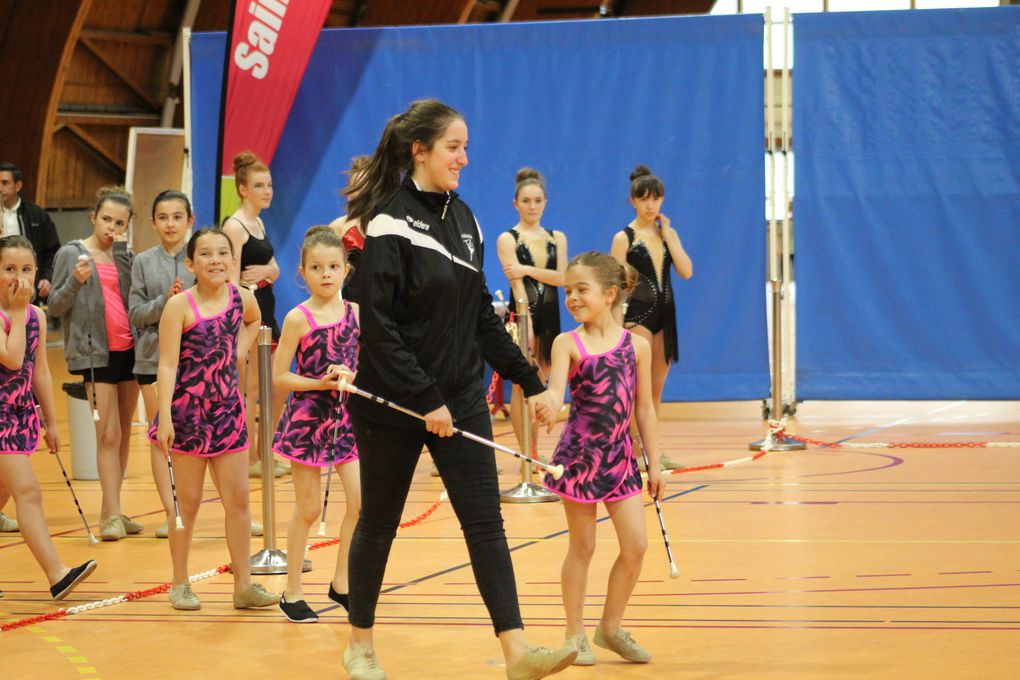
(270,44)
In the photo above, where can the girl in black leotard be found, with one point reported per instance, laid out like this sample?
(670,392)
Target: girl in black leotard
(257,271)
(652,247)
(534,259)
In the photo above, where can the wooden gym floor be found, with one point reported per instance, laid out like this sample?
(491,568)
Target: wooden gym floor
(824,563)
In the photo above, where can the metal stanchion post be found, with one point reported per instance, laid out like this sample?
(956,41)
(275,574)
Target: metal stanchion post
(526,491)
(269,560)
(782,442)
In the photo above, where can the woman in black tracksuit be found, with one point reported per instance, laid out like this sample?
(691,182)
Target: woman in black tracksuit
(426,324)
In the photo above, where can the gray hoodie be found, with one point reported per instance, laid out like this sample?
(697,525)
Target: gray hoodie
(152,274)
(81,307)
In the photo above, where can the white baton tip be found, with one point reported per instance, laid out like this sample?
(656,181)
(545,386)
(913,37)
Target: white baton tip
(178,523)
(83,257)
(556,471)
(92,539)
(673,571)
(344,386)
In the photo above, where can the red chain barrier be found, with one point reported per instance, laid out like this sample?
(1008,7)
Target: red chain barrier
(165,587)
(901,445)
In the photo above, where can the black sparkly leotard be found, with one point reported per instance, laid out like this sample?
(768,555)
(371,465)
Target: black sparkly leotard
(260,251)
(543,299)
(649,305)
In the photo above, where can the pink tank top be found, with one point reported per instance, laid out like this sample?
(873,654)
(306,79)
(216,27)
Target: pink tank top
(118,330)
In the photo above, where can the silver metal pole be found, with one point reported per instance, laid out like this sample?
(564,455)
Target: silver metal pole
(782,442)
(269,560)
(526,491)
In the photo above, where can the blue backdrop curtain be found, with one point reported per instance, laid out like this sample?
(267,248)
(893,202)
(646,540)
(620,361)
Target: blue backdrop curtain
(584,102)
(908,204)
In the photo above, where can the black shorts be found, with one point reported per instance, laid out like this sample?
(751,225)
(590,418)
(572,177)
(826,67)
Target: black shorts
(119,369)
(145,378)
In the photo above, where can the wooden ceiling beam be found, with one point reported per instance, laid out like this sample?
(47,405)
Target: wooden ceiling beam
(126,78)
(94,145)
(115,119)
(156,38)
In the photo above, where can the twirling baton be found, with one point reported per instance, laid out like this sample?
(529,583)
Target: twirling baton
(555,470)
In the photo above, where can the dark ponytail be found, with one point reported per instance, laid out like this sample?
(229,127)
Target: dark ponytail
(424,121)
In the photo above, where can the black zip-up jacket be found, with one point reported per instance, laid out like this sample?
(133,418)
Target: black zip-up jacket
(426,313)
(38,228)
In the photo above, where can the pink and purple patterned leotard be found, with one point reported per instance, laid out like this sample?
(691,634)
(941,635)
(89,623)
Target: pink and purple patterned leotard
(207,409)
(595,448)
(315,428)
(19,421)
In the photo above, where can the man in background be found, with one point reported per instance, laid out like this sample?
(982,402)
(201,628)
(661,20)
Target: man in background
(29,220)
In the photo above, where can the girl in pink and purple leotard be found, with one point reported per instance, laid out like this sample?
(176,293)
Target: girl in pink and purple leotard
(200,421)
(25,380)
(608,369)
(315,430)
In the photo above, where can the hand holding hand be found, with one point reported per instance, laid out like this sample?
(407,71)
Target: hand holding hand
(334,374)
(514,270)
(253,273)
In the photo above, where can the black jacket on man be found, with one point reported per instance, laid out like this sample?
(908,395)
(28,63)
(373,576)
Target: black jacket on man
(37,227)
(426,314)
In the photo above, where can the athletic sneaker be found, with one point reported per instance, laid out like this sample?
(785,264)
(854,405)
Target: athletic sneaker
(8,523)
(64,586)
(669,464)
(539,662)
(279,469)
(623,644)
(254,596)
(131,526)
(585,656)
(360,664)
(342,599)
(183,597)
(163,530)
(297,611)
(112,529)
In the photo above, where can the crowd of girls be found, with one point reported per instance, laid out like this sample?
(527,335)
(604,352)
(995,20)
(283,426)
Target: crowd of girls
(181,317)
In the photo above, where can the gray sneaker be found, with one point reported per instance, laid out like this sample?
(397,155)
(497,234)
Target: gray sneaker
(131,526)
(360,664)
(8,523)
(585,656)
(254,596)
(184,598)
(112,529)
(623,644)
(539,662)
(669,464)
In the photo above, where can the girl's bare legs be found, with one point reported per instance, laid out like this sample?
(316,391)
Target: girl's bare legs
(189,473)
(307,491)
(349,478)
(17,476)
(108,447)
(574,573)
(160,473)
(127,404)
(231,479)
(629,521)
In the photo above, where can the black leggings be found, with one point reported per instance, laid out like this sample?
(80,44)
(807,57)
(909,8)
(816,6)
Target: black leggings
(388,456)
